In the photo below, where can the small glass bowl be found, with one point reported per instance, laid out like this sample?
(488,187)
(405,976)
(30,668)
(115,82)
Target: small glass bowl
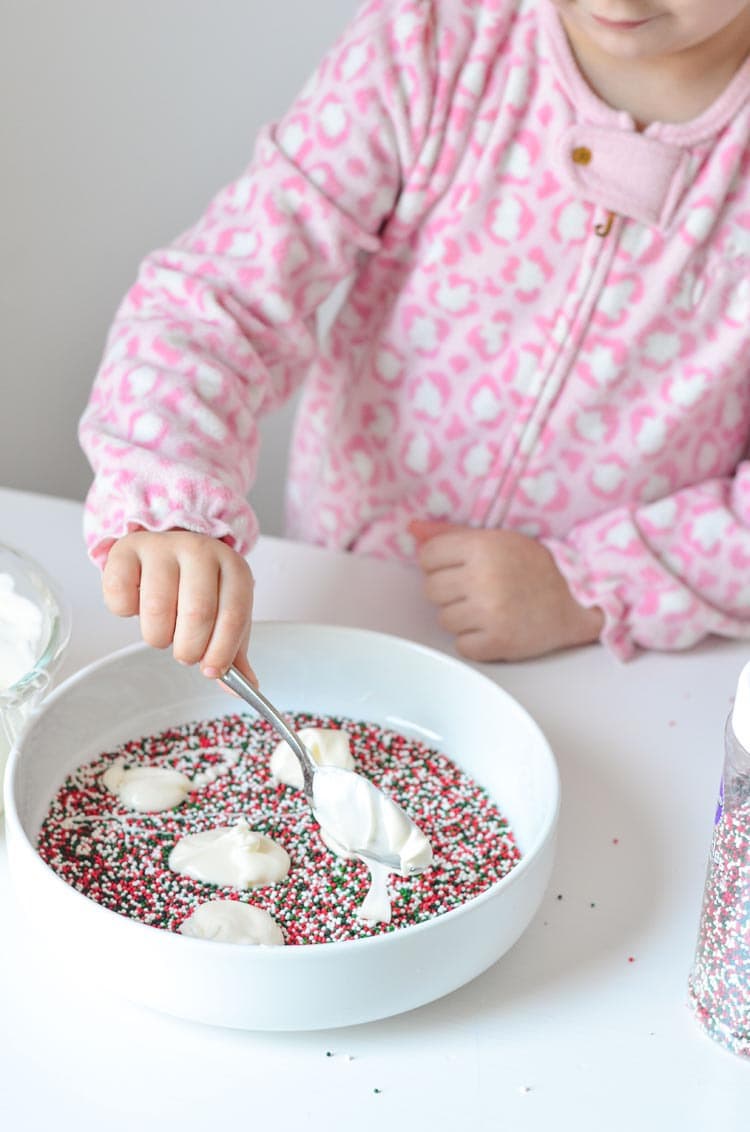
(17,701)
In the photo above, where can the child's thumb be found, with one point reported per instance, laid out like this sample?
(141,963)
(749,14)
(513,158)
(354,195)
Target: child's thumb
(425,529)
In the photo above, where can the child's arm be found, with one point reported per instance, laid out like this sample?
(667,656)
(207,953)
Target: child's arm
(668,573)
(663,575)
(221,326)
(500,593)
(189,591)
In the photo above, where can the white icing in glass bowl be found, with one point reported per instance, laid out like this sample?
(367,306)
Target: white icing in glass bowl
(26,584)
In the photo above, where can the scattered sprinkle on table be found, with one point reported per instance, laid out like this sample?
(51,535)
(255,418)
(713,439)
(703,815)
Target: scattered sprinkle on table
(119,858)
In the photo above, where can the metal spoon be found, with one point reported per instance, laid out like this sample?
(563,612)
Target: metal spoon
(236,682)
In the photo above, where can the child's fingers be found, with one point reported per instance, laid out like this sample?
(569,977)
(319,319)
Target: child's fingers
(458,617)
(231,630)
(158,599)
(477,645)
(193,593)
(242,662)
(442,553)
(197,607)
(444,586)
(425,529)
(120,582)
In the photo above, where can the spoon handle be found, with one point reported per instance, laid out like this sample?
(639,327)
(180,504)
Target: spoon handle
(236,682)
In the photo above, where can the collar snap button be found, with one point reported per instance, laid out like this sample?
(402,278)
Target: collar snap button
(581,155)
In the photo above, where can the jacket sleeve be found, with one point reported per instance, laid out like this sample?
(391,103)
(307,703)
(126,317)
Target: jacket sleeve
(220,327)
(669,573)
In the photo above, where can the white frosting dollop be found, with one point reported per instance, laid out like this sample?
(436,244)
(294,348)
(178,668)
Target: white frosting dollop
(235,855)
(21,632)
(147,789)
(230,921)
(327,746)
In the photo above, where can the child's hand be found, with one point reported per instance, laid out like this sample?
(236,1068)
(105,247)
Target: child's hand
(190,591)
(500,593)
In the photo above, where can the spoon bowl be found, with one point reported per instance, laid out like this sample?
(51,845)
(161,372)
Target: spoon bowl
(346,805)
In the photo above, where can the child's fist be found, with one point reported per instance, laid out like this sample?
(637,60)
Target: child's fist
(500,593)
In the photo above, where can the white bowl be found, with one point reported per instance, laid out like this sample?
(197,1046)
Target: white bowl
(337,671)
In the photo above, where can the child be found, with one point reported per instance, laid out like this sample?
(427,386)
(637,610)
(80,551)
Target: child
(537,385)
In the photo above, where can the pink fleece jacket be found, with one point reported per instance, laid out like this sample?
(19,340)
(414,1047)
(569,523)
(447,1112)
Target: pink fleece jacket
(547,325)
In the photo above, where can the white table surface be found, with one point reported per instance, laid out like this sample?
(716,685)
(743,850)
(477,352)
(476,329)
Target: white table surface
(583,1025)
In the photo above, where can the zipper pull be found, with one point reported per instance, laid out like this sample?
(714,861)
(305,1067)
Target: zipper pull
(605,226)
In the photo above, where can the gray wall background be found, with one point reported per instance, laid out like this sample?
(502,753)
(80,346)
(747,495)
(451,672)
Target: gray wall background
(119,121)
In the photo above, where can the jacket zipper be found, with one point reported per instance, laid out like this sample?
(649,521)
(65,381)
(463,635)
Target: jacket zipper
(568,334)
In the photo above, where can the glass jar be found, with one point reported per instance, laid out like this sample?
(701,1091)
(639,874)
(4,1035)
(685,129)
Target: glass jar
(719,987)
(34,631)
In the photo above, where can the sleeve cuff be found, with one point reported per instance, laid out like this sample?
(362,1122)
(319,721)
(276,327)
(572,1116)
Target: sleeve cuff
(588,592)
(101,536)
